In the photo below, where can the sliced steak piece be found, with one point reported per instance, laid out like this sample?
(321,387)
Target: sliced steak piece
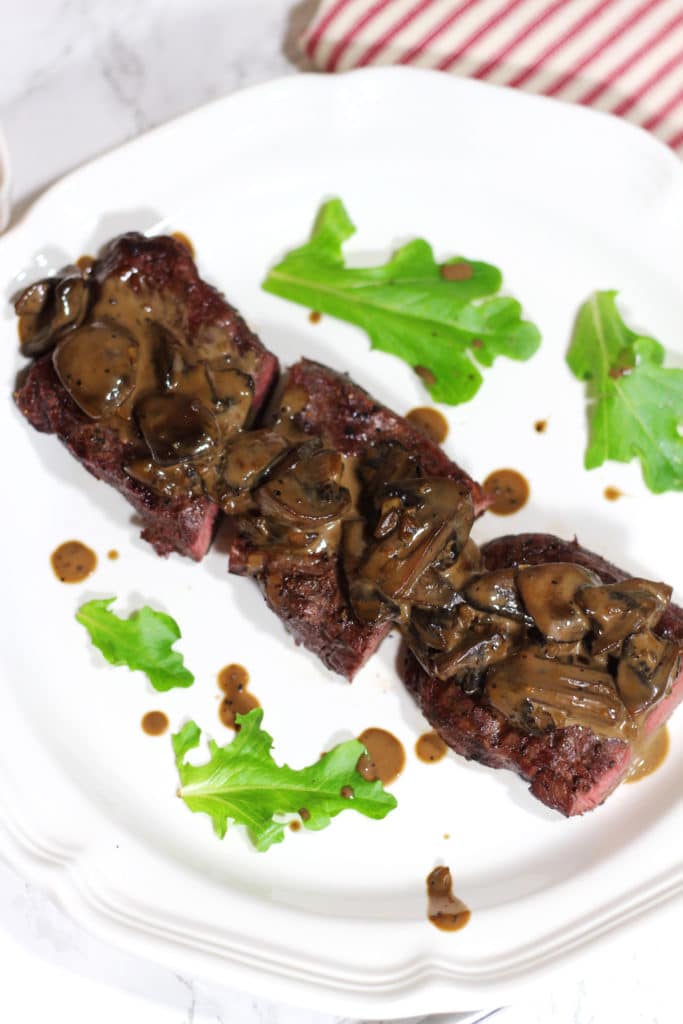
(571,769)
(309,595)
(156,283)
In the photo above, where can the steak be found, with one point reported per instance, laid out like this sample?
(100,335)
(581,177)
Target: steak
(146,275)
(569,769)
(309,596)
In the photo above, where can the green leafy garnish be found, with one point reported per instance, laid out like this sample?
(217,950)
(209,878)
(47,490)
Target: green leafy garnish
(636,403)
(242,783)
(142,641)
(408,307)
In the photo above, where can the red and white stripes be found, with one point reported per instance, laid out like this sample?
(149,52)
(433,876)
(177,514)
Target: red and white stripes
(622,56)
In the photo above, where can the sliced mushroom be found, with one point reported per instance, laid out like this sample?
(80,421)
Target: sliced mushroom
(176,427)
(488,640)
(97,366)
(233,395)
(249,457)
(440,584)
(619,609)
(549,591)
(647,667)
(524,686)
(49,308)
(166,356)
(305,487)
(385,463)
(434,512)
(496,592)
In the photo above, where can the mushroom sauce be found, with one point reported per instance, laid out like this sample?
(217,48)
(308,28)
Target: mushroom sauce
(124,355)
(548,645)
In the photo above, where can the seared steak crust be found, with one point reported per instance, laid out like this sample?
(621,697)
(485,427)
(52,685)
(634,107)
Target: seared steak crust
(164,265)
(310,598)
(571,770)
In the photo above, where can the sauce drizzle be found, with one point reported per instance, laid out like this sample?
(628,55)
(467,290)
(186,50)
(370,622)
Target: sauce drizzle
(233,681)
(385,758)
(649,755)
(154,723)
(73,562)
(430,422)
(445,910)
(508,491)
(430,748)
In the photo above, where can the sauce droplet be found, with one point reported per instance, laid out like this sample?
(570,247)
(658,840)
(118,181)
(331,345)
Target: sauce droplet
(430,748)
(385,758)
(346,792)
(154,723)
(430,422)
(540,426)
(73,562)
(461,271)
(425,374)
(295,825)
(649,755)
(445,910)
(181,237)
(315,317)
(507,490)
(112,555)
(233,681)
(613,493)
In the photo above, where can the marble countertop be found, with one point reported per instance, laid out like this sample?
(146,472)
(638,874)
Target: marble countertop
(78,78)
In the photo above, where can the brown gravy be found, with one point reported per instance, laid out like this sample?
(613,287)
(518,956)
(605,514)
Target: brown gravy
(181,237)
(508,491)
(445,910)
(649,755)
(461,271)
(426,375)
(385,758)
(540,426)
(315,317)
(430,748)
(73,562)
(613,493)
(430,422)
(233,681)
(112,555)
(154,723)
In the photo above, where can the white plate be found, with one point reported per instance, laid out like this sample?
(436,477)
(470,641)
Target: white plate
(565,201)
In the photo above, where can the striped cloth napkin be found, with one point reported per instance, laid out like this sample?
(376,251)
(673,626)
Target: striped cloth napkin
(622,56)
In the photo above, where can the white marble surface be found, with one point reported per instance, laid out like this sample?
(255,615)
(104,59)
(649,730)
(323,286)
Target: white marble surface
(77,77)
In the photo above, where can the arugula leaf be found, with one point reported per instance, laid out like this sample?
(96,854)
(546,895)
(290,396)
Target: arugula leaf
(242,783)
(141,641)
(636,403)
(407,307)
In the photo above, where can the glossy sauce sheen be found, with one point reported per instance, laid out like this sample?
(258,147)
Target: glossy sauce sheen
(445,910)
(181,237)
(430,748)
(508,491)
(649,755)
(73,562)
(429,422)
(154,723)
(233,681)
(385,758)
